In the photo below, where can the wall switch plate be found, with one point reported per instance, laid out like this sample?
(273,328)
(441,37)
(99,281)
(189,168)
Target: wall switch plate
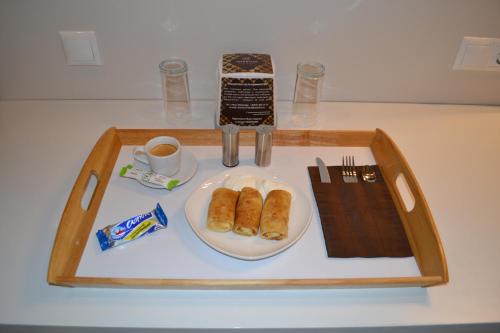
(80,47)
(478,54)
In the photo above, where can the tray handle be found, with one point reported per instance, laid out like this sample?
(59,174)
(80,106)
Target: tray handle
(417,220)
(76,221)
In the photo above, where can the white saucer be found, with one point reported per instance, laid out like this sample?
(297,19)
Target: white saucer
(189,166)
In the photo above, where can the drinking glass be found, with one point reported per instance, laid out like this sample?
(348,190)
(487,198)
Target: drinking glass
(175,87)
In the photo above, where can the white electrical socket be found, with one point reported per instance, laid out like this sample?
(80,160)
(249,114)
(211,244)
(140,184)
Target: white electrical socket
(80,47)
(478,54)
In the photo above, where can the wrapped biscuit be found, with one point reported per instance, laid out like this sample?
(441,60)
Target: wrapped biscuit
(132,228)
(275,215)
(248,210)
(221,210)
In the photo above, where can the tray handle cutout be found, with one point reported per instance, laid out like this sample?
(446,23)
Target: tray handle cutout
(90,189)
(405,192)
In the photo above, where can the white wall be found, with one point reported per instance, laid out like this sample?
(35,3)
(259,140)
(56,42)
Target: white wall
(374,50)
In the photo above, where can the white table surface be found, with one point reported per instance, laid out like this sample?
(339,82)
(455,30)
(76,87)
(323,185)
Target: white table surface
(454,151)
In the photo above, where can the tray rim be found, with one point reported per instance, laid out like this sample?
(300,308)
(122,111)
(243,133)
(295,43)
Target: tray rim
(75,224)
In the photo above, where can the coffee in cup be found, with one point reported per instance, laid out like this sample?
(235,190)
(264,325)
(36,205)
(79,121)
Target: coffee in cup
(163,149)
(162,153)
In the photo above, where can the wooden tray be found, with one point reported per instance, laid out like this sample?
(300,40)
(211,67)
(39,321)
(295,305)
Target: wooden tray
(76,223)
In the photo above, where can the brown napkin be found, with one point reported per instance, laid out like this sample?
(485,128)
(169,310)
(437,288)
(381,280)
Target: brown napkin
(358,219)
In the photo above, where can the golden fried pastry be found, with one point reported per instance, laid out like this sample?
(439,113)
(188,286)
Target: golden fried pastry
(248,212)
(275,215)
(221,210)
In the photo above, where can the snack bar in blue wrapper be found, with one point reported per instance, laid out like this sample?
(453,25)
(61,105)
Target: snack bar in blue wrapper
(133,228)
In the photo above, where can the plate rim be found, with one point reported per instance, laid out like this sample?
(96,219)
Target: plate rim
(238,256)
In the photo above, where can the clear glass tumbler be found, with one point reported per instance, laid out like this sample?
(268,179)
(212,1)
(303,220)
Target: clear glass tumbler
(309,82)
(174,76)
(175,86)
(307,95)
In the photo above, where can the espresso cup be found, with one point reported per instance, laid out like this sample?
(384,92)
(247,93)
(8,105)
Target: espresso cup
(162,153)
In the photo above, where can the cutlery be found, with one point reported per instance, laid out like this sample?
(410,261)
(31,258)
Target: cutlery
(349,173)
(368,174)
(323,171)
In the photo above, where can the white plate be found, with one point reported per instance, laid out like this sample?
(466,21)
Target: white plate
(189,165)
(241,247)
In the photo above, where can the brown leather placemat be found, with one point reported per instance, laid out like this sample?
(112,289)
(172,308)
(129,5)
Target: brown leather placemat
(358,219)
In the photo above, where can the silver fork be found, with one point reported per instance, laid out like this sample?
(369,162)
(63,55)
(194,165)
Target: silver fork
(349,174)
(344,171)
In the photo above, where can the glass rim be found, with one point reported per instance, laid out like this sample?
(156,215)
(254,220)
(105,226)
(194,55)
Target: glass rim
(315,70)
(181,67)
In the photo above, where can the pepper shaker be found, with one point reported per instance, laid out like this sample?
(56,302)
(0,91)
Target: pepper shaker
(263,145)
(230,145)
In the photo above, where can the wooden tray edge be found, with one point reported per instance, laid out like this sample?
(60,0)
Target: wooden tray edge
(419,224)
(213,137)
(76,222)
(72,235)
(145,283)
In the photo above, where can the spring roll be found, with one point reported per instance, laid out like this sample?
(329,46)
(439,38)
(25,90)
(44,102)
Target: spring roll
(221,210)
(248,212)
(275,215)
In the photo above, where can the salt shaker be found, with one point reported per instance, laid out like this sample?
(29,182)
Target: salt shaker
(230,145)
(309,82)
(263,145)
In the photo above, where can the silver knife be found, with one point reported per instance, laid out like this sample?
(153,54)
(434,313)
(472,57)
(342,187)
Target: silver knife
(323,171)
